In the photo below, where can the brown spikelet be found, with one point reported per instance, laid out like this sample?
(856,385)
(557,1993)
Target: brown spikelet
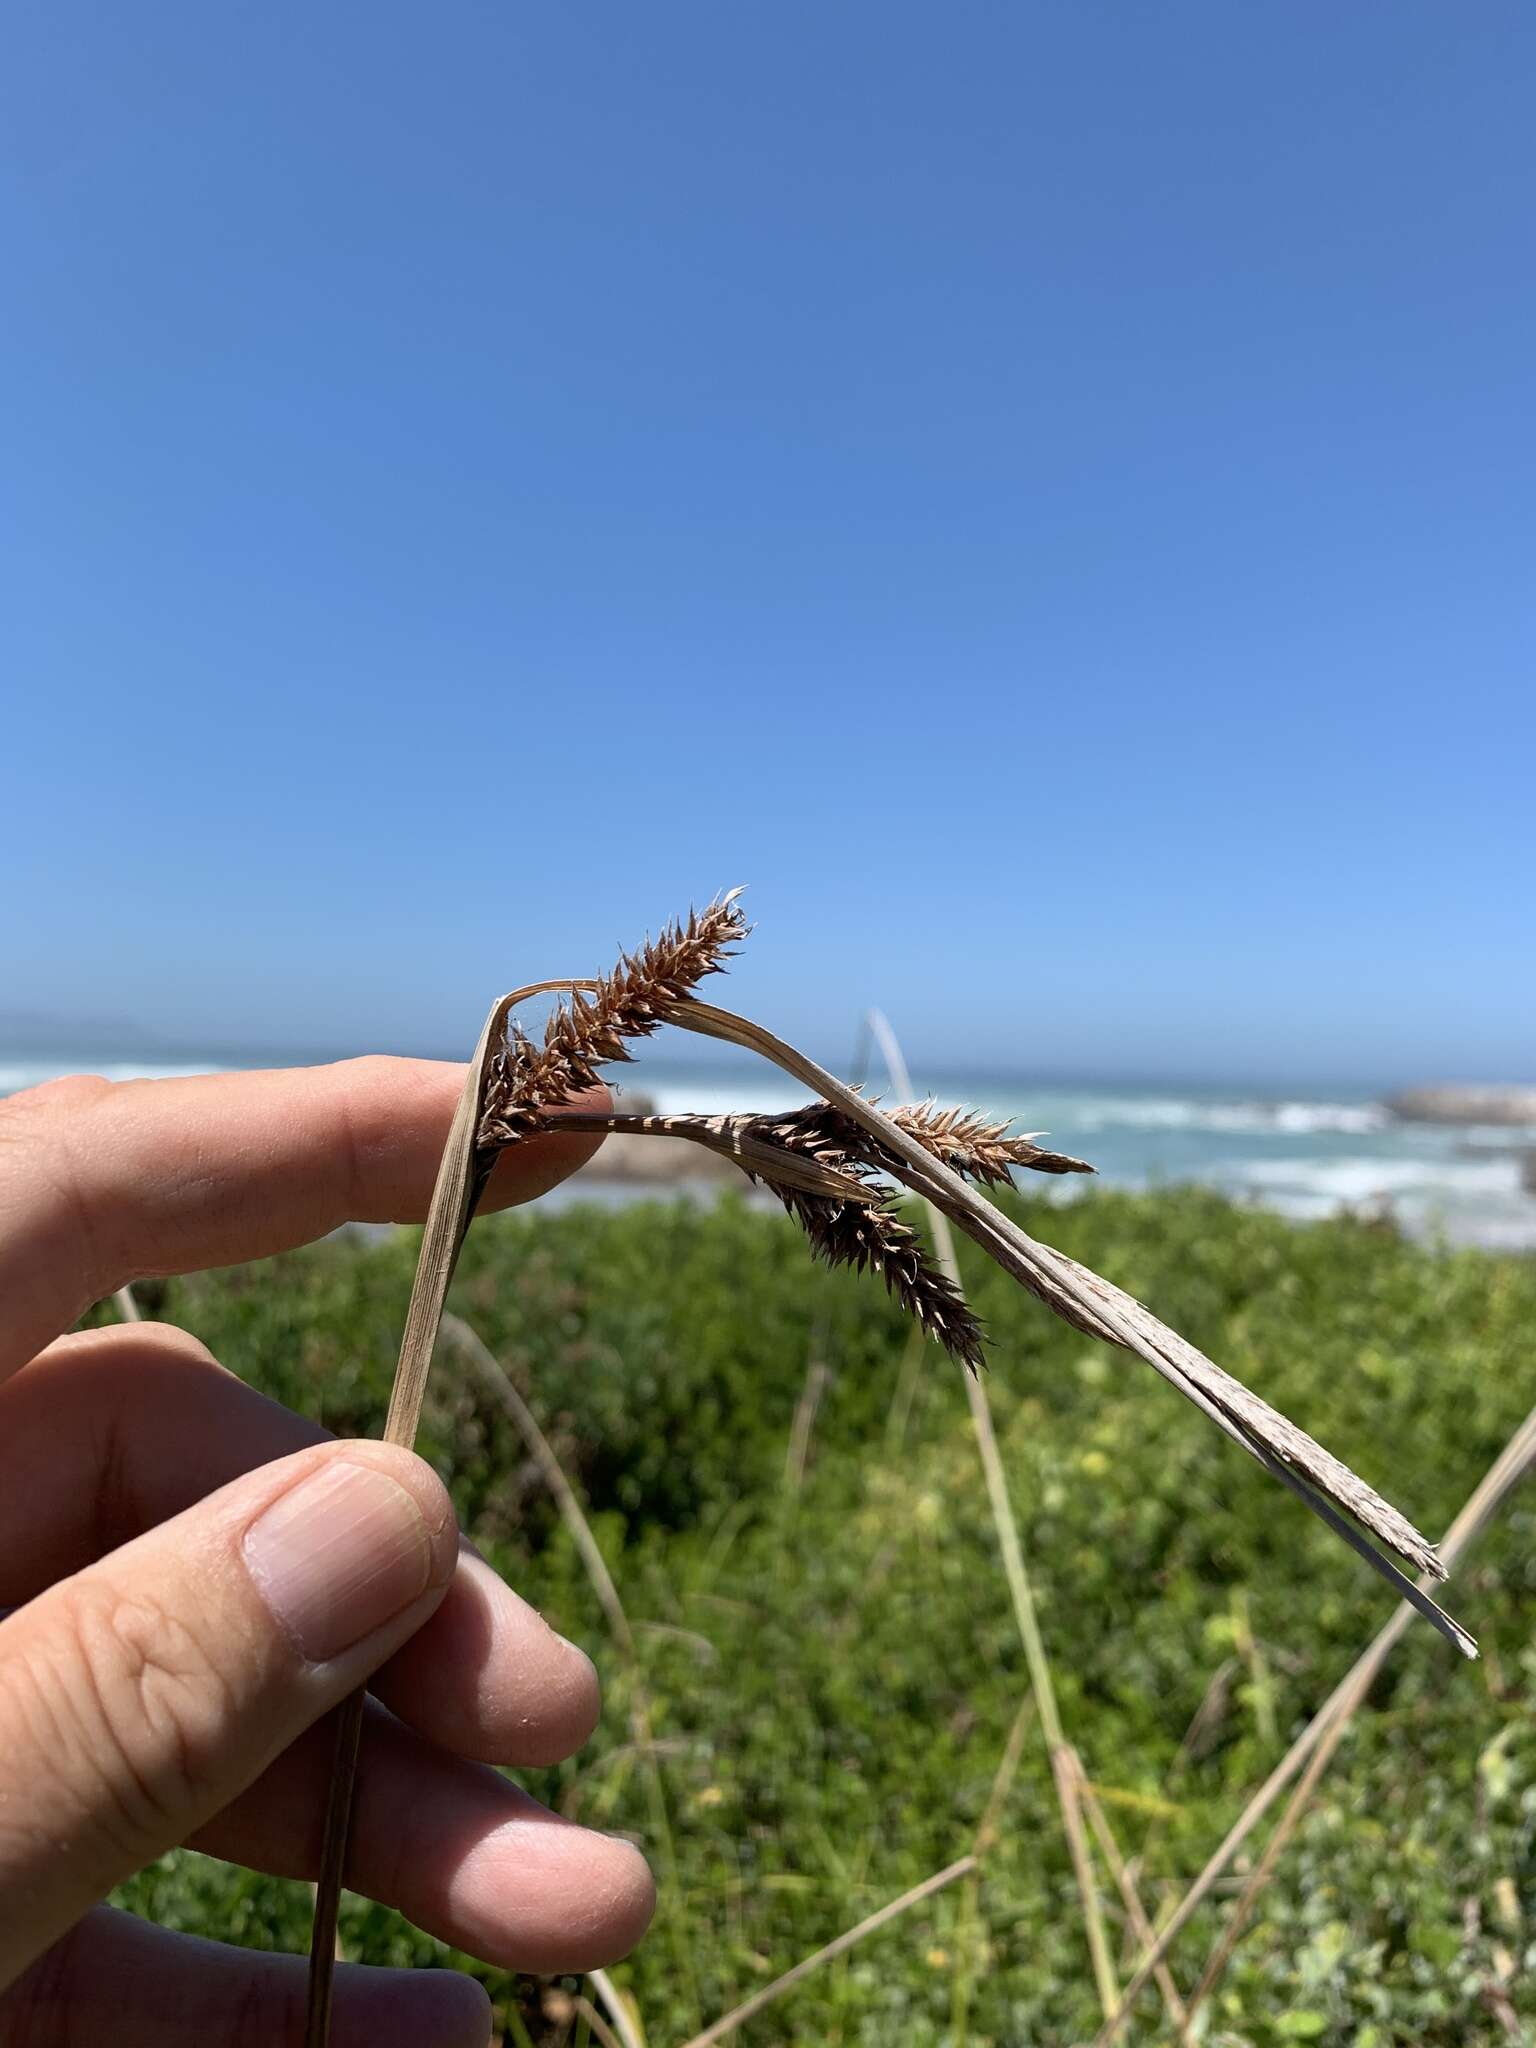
(980,1150)
(586,1031)
(873,1235)
(868,1235)
(966,1142)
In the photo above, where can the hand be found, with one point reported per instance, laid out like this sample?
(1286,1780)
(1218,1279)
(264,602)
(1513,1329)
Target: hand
(197,1576)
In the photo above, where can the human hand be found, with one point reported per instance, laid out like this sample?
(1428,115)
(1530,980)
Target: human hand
(198,1575)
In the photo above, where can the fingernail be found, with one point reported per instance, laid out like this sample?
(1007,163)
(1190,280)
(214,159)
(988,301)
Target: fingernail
(338,1556)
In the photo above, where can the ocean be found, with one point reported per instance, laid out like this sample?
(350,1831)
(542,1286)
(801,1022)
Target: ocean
(1304,1155)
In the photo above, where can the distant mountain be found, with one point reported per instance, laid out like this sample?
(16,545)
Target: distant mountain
(45,1031)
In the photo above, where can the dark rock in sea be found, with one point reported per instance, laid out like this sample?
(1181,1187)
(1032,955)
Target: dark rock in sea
(1453,1103)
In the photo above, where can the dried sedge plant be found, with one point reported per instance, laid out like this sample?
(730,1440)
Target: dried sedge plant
(837,1165)
(524,1082)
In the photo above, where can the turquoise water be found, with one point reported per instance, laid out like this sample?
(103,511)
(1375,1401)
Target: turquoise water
(1303,1154)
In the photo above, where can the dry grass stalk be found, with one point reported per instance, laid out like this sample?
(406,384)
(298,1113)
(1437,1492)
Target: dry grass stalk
(598,2027)
(987,1831)
(616,2006)
(990,1825)
(461,1178)
(1328,1724)
(840,1946)
(1510,1468)
(1130,1898)
(900,1411)
(795,1457)
(1021,1592)
(468,1341)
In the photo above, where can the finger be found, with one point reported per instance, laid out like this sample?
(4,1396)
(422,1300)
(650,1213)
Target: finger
(111,1432)
(102,1182)
(451,1845)
(142,1695)
(459,1850)
(113,1978)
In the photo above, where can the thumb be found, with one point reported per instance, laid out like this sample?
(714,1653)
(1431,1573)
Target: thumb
(138,1697)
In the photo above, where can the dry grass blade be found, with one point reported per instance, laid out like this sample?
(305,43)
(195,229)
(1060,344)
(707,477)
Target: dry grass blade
(1330,1720)
(1508,1470)
(472,1346)
(798,1451)
(1102,1310)
(460,1181)
(833,1949)
(1080,1297)
(1130,1898)
(1016,1572)
(990,1824)
(631,1002)
(597,2027)
(987,1831)
(614,2004)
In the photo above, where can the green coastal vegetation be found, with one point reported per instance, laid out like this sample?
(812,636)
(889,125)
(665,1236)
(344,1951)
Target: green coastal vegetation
(827,1656)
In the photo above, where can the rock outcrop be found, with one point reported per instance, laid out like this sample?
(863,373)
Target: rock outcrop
(1453,1103)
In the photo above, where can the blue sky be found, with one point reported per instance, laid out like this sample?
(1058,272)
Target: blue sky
(1046,494)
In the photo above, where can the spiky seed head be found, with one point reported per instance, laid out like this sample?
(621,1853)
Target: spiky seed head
(981,1150)
(588,1031)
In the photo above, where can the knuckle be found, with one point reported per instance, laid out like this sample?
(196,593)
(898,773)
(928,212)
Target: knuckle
(165,1344)
(32,1121)
(374,1066)
(40,1148)
(65,1091)
(137,1703)
(99,1355)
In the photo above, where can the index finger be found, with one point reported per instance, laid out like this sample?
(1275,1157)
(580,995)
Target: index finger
(102,1182)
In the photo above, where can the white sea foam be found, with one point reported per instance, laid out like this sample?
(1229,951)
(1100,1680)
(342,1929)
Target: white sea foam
(1365,1179)
(1189,1113)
